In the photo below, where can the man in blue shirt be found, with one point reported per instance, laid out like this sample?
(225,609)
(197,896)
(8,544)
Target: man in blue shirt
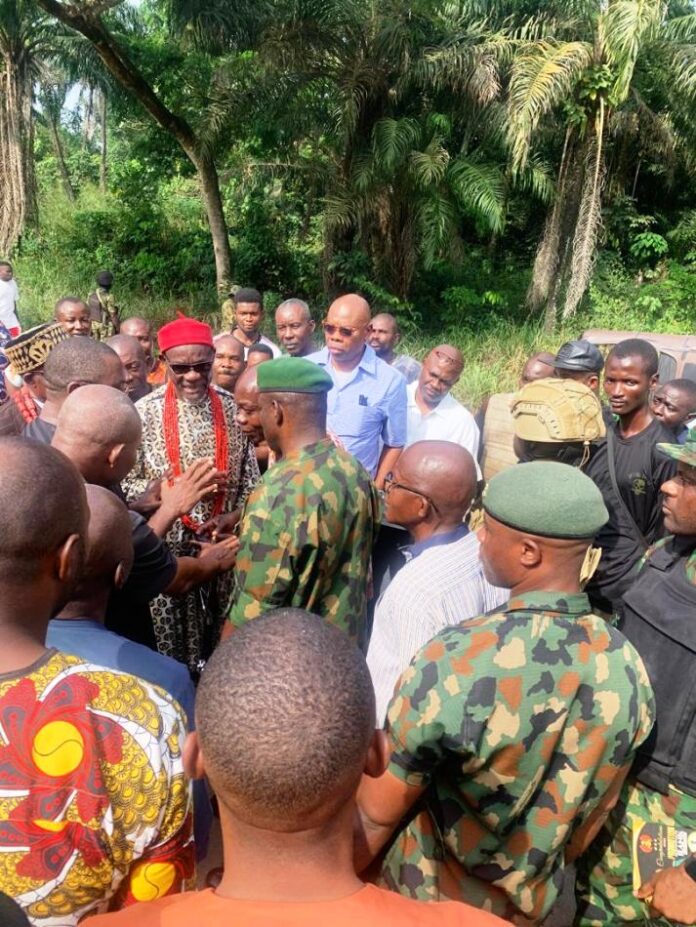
(367,405)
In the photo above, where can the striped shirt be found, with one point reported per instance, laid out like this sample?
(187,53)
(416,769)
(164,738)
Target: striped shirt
(441,585)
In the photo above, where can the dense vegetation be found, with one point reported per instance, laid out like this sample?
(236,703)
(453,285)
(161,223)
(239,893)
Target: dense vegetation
(502,173)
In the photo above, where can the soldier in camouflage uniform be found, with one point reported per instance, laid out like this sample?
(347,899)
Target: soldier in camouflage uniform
(309,526)
(511,733)
(103,309)
(658,618)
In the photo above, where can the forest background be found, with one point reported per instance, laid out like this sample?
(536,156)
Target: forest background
(501,175)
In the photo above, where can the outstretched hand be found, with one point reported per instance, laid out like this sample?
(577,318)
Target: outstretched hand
(221,556)
(181,494)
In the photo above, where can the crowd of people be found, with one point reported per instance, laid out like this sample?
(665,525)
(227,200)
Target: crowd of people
(418,664)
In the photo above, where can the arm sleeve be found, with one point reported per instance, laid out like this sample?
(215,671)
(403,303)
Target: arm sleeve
(250,474)
(394,427)
(167,864)
(136,481)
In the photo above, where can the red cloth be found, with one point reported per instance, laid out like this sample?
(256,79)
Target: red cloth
(184,331)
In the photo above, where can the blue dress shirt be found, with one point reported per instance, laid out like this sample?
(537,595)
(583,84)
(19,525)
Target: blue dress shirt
(368,409)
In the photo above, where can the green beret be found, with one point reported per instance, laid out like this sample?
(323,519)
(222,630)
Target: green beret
(292,375)
(546,498)
(684,453)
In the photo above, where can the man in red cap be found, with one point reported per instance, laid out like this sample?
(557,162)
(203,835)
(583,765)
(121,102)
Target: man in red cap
(184,421)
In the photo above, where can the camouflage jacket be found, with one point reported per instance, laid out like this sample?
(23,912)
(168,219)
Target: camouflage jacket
(104,313)
(689,556)
(307,536)
(516,723)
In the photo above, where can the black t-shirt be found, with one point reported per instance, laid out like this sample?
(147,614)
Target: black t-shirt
(640,471)
(39,430)
(154,567)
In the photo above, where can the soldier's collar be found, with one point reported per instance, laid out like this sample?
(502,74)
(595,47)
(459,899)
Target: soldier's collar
(571,603)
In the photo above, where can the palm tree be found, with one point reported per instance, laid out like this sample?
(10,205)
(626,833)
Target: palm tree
(25,38)
(588,70)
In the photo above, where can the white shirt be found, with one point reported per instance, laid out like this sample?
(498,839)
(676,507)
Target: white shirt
(9,297)
(442,585)
(448,421)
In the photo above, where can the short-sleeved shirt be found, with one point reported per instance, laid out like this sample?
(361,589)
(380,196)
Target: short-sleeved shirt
(407,366)
(95,809)
(448,421)
(368,907)
(516,723)
(367,408)
(9,297)
(306,538)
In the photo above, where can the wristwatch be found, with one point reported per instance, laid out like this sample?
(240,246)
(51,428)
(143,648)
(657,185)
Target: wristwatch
(690,867)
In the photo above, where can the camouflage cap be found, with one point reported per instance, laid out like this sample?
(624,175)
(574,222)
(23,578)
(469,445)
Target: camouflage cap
(685,453)
(557,411)
(292,375)
(28,351)
(546,498)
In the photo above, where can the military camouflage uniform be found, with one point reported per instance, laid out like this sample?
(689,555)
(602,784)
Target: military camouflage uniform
(307,537)
(605,874)
(104,313)
(516,723)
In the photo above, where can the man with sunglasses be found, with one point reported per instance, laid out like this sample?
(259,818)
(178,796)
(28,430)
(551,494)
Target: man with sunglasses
(657,617)
(184,421)
(367,404)
(442,582)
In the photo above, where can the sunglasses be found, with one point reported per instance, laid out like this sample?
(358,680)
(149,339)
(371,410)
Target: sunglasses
(342,330)
(389,484)
(180,369)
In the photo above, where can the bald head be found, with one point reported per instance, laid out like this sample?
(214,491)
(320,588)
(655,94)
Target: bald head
(353,309)
(109,541)
(346,330)
(99,429)
(383,335)
(440,480)
(295,327)
(140,329)
(42,498)
(539,366)
(134,361)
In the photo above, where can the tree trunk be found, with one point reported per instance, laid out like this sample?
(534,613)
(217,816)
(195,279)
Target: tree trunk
(60,158)
(103,161)
(88,23)
(13,157)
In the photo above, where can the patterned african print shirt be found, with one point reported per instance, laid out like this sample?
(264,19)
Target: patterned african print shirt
(187,627)
(516,723)
(94,807)
(307,537)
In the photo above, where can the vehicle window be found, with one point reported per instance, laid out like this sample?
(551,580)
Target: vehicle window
(689,372)
(667,368)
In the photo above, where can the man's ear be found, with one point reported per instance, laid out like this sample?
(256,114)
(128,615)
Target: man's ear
(654,380)
(73,385)
(120,576)
(313,324)
(278,414)
(70,559)
(377,758)
(192,757)
(531,552)
(114,454)
(593,382)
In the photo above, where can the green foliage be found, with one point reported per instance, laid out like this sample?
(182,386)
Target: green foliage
(648,247)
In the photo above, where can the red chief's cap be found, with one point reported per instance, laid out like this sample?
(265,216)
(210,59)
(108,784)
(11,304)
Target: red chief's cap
(184,331)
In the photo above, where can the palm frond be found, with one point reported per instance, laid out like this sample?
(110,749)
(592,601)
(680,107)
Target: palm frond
(624,28)
(393,139)
(480,191)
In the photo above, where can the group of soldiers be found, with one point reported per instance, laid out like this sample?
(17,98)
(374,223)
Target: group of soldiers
(531,649)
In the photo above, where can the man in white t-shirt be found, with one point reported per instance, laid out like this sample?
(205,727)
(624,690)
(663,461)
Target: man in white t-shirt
(434,414)
(9,297)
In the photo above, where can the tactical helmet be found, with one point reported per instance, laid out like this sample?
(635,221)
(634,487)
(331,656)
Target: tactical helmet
(558,412)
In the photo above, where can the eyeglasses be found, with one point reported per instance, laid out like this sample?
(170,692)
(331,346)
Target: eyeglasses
(342,330)
(180,369)
(390,484)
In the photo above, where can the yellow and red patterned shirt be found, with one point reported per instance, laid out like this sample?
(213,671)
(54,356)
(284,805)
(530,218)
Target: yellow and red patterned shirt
(95,810)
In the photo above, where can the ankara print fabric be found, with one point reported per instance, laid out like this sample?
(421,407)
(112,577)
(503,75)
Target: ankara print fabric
(517,723)
(187,627)
(95,810)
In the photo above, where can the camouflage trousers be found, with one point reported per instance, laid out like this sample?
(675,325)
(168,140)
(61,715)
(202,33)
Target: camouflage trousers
(604,886)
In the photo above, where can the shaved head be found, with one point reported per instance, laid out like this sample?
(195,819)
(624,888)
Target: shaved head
(442,472)
(42,498)
(440,371)
(109,539)
(539,366)
(346,330)
(448,355)
(134,326)
(386,319)
(350,309)
(82,360)
(98,415)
